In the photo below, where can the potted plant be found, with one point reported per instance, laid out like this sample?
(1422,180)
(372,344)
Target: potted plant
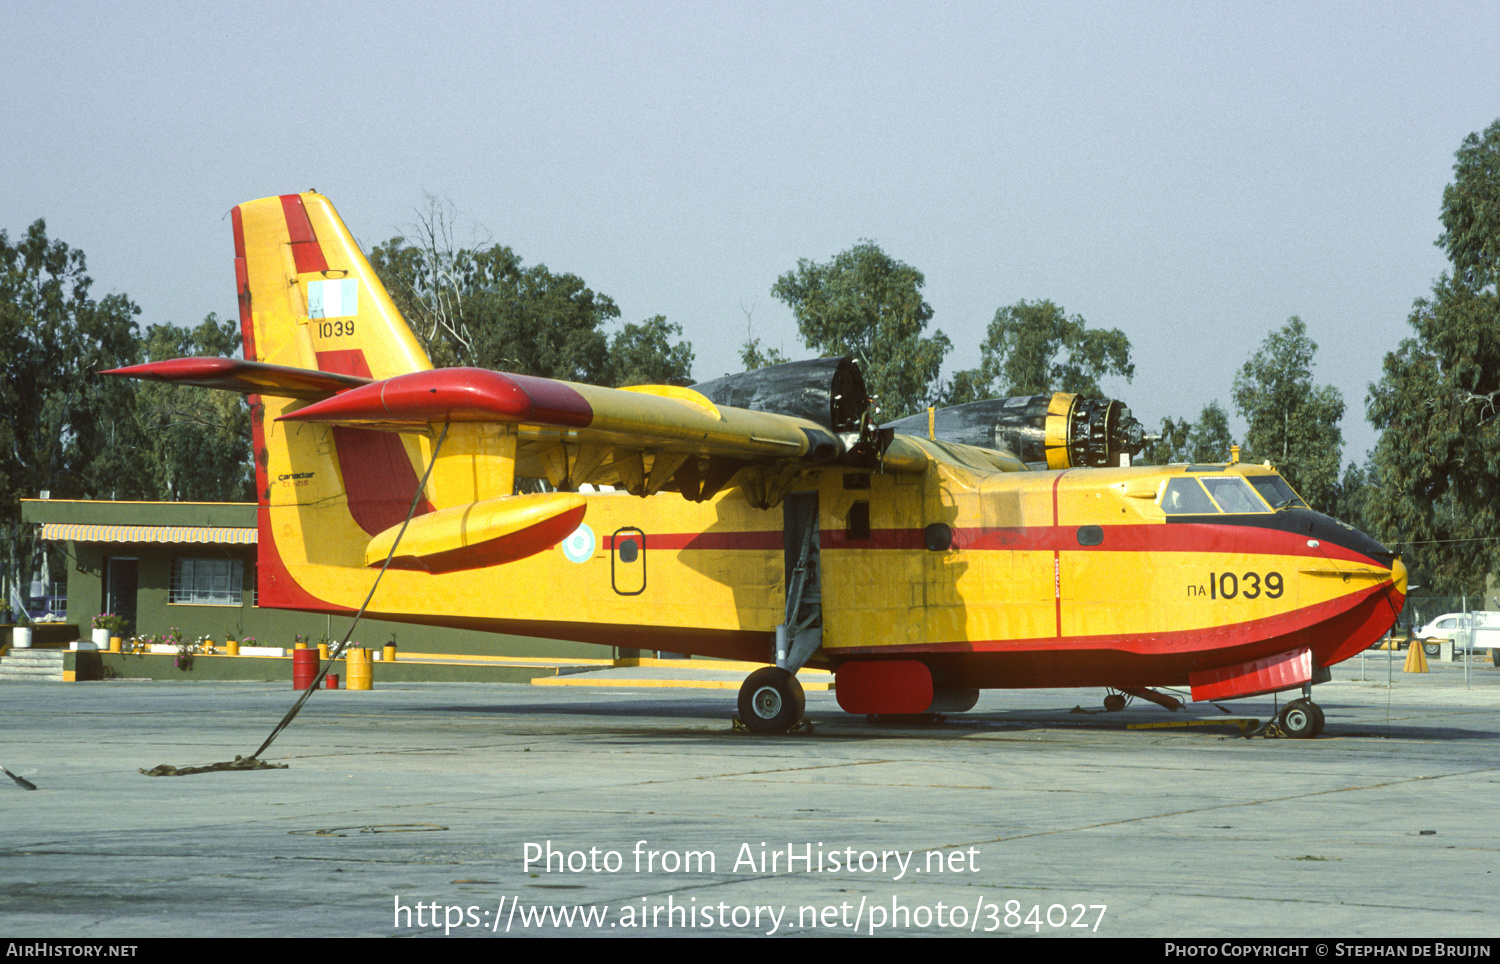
(184,659)
(106,625)
(20,636)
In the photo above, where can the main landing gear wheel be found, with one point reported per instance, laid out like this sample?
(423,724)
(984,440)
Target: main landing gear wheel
(1301,719)
(771,701)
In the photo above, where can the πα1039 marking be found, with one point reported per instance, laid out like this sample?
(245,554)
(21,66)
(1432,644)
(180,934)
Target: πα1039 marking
(1247,585)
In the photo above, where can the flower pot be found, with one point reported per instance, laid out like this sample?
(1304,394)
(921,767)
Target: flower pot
(101,639)
(20,637)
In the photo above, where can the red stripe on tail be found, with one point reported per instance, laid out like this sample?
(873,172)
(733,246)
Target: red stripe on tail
(305,249)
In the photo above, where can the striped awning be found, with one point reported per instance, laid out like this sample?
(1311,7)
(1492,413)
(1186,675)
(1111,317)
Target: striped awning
(231,535)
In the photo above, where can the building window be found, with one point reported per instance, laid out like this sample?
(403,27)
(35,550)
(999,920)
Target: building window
(206,582)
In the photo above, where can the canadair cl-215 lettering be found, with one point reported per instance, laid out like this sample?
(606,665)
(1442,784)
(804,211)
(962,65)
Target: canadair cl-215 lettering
(763,517)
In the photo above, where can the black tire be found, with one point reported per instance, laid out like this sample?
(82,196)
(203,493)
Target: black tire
(1495,656)
(1114,703)
(1433,650)
(1300,719)
(771,701)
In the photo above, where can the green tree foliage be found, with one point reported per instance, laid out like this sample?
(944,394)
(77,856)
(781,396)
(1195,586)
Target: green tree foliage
(65,430)
(533,322)
(198,441)
(1355,496)
(1204,441)
(68,431)
(429,300)
(1292,424)
(1033,347)
(752,357)
(1471,211)
(1437,404)
(868,305)
(644,355)
(483,307)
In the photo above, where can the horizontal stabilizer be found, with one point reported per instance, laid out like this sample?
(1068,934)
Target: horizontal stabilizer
(452,395)
(245,377)
(487,533)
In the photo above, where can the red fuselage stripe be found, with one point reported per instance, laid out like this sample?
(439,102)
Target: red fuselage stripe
(1226,538)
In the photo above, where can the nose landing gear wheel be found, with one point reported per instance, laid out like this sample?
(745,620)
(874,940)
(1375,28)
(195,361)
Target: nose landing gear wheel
(771,701)
(1301,719)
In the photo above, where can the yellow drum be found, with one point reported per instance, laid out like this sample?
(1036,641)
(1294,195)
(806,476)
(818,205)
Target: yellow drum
(357,668)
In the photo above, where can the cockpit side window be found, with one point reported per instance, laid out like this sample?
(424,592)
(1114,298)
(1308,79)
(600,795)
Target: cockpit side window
(1186,497)
(1234,494)
(1274,490)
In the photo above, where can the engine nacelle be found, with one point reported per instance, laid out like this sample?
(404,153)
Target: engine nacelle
(829,391)
(1061,430)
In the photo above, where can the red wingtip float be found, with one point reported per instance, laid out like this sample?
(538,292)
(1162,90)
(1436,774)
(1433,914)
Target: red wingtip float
(1006,543)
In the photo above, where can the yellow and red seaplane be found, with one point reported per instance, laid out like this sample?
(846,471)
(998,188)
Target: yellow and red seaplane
(762,516)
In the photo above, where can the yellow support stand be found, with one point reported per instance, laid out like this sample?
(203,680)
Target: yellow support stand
(1416,660)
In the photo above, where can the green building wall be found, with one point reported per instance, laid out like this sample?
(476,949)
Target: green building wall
(87,564)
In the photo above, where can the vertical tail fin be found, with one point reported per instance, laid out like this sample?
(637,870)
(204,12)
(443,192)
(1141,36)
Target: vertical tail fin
(309,299)
(333,494)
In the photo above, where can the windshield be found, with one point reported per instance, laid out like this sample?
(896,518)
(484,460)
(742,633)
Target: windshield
(1274,490)
(1186,497)
(1226,493)
(1234,494)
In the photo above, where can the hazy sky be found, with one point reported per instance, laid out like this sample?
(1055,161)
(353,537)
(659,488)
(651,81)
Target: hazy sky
(1190,173)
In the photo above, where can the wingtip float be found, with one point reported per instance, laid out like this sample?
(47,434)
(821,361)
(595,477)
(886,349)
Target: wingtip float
(1007,543)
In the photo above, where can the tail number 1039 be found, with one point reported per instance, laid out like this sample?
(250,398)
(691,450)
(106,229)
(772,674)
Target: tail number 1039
(335,329)
(1248,585)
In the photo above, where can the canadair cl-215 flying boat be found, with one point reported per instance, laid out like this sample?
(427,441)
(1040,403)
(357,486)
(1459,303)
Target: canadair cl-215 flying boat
(761,517)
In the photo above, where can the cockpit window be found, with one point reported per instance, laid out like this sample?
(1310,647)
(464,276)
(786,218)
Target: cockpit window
(1234,494)
(1273,489)
(1186,497)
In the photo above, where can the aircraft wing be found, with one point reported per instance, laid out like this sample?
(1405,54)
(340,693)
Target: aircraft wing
(657,417)
(497,426)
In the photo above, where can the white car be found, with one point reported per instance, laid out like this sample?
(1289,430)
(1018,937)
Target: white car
(1449,626)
